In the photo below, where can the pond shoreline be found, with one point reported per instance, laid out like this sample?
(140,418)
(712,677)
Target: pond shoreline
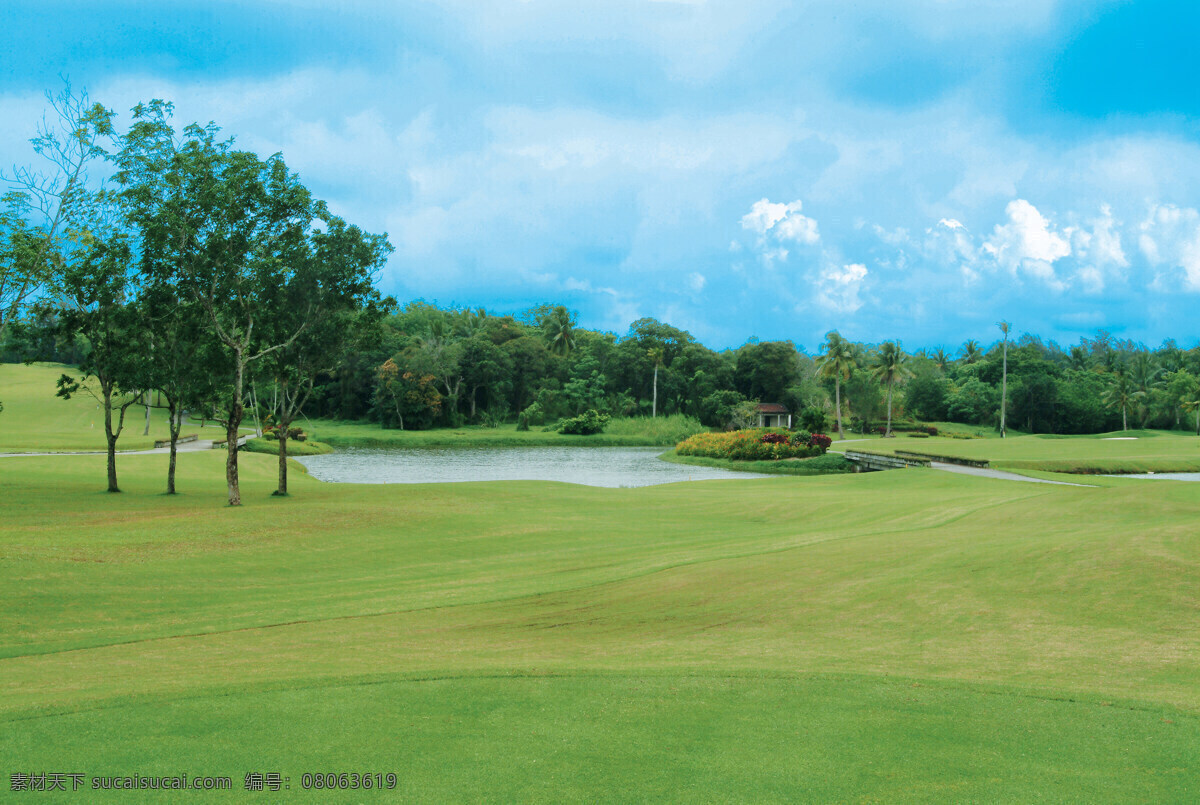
(611,467)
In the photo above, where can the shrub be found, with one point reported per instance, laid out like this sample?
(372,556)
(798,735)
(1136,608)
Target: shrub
(751,444)
(800,437)
(812,419)
(271,433)
(589,422)
(820,441)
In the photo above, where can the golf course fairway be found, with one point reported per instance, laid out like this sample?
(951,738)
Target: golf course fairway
(886,637)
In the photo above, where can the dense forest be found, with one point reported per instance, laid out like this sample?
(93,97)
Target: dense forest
(430,367)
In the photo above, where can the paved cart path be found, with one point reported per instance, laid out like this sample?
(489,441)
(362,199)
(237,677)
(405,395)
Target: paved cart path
(187,447)
(999,474)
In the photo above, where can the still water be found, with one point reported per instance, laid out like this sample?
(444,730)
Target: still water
(1165,476)
(591,466)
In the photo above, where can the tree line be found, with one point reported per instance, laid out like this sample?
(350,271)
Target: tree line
(186,267)
(206,274)
(443,367)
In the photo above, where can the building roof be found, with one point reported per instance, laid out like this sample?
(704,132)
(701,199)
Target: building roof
(772,408)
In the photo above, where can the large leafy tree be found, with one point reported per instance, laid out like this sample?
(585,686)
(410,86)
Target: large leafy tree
(330,302)
(97,298)
(837,361)
(230,230)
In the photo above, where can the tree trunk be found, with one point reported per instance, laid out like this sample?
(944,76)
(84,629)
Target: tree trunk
(654,404)
(474,390)
(837,391)
(283,429)
(1198,421)
(175,422)
(146,431)
(889,422)
(231,435)
(111,439)
(1124,418)
(1004,390)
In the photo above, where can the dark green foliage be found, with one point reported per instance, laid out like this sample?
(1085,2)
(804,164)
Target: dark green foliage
(585,424)
(973,402)
(926,396)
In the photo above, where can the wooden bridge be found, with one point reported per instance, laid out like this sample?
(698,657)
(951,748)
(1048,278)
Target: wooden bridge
(903,459)
(868,462)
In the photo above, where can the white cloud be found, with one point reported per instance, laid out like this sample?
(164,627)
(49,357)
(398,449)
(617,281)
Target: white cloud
(838,287)
(1028,242)
(782,221)
(951,224)
(696,281)
(1170,238)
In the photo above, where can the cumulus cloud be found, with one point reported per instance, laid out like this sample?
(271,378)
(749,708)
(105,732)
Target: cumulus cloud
(784,221)
(1028,242)
(1170,241)
(838,287)
(951,224)
(696,281)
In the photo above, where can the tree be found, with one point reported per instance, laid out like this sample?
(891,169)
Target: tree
(558,328)
(971,352)
(656,357)
(1121,394)
(1004,328)
(185,363)
(229,229)
(941,359)
(889,368)
(411,395)
(837,361)
(44,210)
(331,302)
(95,293)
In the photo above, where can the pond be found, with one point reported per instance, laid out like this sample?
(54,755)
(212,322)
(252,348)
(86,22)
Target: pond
(1164,476)
(591,466)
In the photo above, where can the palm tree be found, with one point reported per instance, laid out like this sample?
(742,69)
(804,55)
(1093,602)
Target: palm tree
(888,368)
(559,330)
(1004,328)
(1121,394)
(656,355)
(941,359)
(837,361)
(971,352)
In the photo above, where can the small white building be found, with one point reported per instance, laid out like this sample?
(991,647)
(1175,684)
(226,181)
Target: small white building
(774,415)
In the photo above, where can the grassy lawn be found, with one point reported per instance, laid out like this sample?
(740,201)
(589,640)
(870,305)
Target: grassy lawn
(896,636)
(34,420)
(1133,451)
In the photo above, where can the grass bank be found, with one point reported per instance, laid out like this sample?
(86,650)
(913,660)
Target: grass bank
(828,464)
(308,447)
(664,431)
(1120,452)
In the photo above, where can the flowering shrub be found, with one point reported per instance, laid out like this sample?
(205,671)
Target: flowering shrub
(752,444)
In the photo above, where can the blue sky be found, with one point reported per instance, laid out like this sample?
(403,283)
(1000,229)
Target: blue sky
(912,169)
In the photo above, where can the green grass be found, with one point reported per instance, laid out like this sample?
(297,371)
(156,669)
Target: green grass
(34,420)
(895,636)
(666,431)
(1149,451)
(308,447)
(829,464)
